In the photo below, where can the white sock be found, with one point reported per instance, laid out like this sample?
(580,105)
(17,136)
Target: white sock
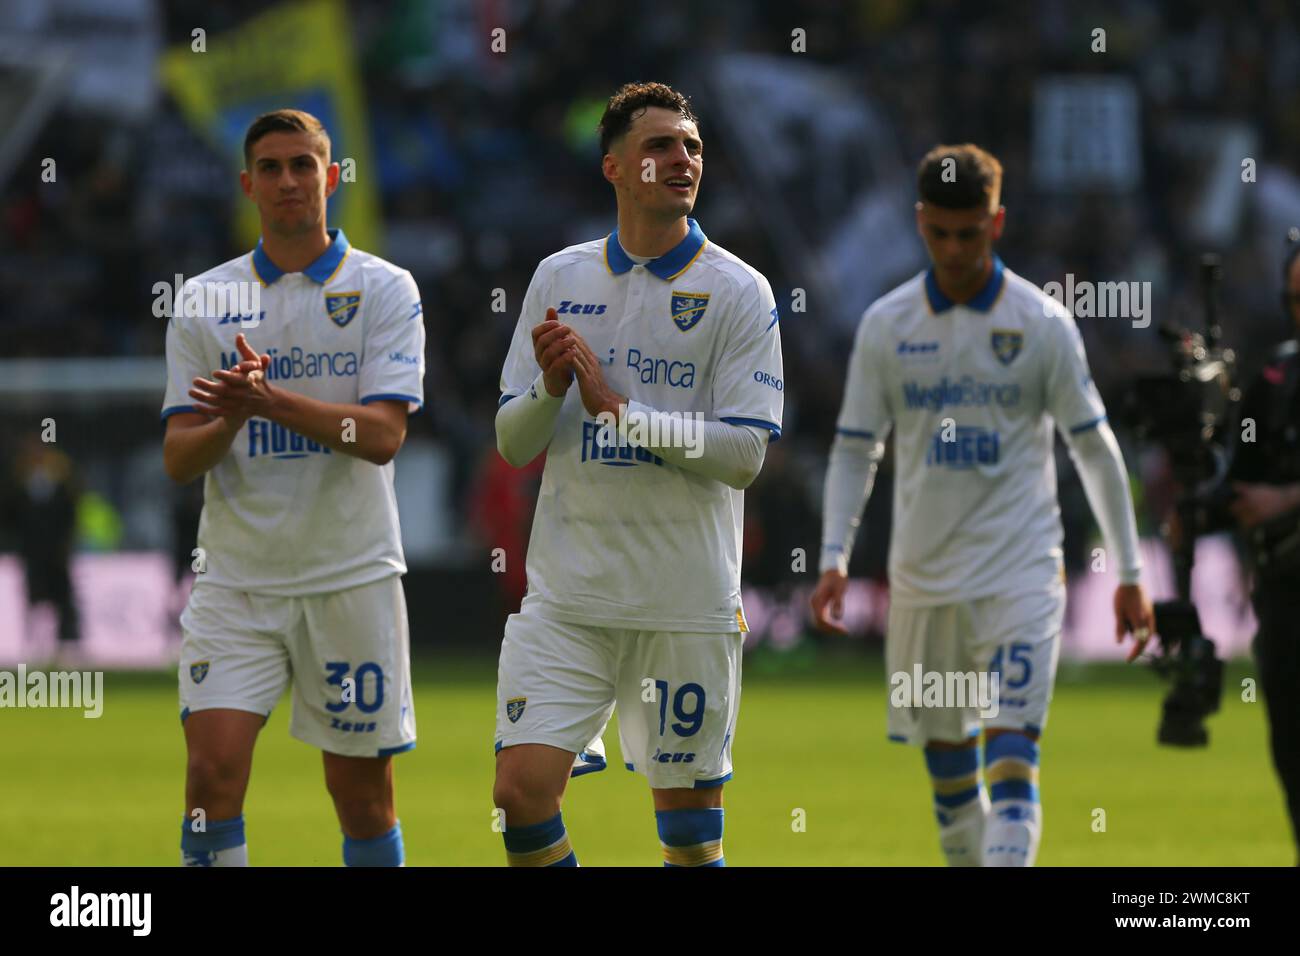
(960,803)
(1015,822)
(1012,833)
(961,831)
(235,856)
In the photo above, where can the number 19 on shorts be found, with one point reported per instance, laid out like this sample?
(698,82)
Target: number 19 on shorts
(688,704)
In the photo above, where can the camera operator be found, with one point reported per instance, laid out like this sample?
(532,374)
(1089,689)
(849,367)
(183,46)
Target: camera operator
(1265,477)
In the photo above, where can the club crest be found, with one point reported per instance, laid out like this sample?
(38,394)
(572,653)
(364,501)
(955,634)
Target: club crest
(688,308)
(1006,345)
(342,306)
(515,708)
(199,671)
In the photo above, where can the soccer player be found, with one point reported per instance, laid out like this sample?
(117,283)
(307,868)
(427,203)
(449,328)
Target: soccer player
(634,562)
(972,365)
(299,529)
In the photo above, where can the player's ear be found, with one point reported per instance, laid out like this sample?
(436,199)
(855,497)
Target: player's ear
(999,221)
(246,183)
(609,168)
(331,179)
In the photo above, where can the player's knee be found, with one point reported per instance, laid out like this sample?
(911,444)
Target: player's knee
(679,798)
(212,777)
(968,744)
(364,817)
(523,802)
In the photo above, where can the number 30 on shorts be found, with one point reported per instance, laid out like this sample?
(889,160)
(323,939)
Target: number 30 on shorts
(688,722)
(338,675)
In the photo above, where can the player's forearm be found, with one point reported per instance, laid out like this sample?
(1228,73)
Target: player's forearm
(849,477)
(357,430)
(526,423)
(731,454)
(1100,465)
(190,452)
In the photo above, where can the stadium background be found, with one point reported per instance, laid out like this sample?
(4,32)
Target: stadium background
(471,166)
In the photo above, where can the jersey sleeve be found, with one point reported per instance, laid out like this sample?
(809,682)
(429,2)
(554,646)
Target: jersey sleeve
(749,383)
(393,367)
(865,412)
(521,369)
(1072,398)
(184,361)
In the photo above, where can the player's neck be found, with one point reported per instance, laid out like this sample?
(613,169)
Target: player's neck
(652,238)
(295,253)
(968,290)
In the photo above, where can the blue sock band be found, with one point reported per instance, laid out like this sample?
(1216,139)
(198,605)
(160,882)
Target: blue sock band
(954,774)
(218,835)
(540,844)
(952,763)
(1013,780)
(386,850)
(691,837)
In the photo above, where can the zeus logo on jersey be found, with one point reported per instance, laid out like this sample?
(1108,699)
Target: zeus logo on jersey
(577,308)
(297,363)
(961,393)
(248,321)
(612,452)
(917,353)
(274,439)
(965,447)
(911,348)
(654,371)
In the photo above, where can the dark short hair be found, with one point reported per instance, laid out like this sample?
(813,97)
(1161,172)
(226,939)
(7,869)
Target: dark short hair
(973,178)
(286,121)
(633,99)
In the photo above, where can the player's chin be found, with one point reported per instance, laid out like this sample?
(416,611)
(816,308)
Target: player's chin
(680,204)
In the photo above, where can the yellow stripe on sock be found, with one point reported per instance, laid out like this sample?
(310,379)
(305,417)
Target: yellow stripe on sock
(547,855)
(696,855)
(947,786)
(1010,768)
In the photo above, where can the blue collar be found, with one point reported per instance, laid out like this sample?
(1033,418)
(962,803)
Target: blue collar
(668,266)
(982,301)
(319,271)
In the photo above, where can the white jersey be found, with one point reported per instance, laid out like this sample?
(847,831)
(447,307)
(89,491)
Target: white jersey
(971,392)
(622,538)
(282,514)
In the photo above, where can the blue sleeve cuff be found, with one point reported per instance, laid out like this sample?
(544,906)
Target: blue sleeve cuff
(393,397)
(1087,425)
(171,410)
(757,423)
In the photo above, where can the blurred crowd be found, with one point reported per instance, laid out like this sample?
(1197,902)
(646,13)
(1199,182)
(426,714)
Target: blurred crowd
(487,162)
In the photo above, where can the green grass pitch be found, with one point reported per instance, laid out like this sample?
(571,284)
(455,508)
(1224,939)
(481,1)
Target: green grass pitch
(811,737)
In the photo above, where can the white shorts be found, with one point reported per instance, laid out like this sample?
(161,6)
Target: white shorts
(348,654)
(678,695)
(1016,637)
